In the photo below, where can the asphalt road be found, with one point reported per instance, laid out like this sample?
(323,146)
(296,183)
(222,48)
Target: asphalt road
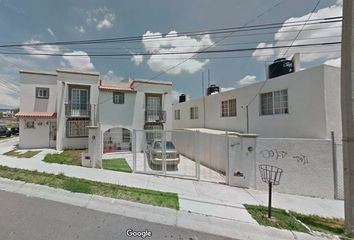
(27,218)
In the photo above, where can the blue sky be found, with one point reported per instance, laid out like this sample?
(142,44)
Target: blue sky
(47,21)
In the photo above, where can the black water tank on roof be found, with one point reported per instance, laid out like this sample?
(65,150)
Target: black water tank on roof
(280,67)
(213,89)
(182,98)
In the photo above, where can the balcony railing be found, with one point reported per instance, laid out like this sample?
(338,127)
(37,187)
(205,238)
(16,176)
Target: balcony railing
(155,116)
(77,110)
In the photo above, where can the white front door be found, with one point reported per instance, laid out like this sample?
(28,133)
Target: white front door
(52,134)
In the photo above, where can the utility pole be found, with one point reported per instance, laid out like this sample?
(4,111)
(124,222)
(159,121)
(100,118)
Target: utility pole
(347,73)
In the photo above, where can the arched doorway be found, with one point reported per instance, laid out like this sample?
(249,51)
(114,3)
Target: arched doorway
(117,140)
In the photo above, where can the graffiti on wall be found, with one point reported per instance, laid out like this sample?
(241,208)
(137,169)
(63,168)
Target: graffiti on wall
(276,154)
(273,154)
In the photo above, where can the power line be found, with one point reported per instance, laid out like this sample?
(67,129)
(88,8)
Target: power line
(258,16)
(267,78)
(174,53)
(166,36)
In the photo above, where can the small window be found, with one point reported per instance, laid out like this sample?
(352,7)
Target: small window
(232,107)
(126,135)
(29,124)
(229,108)
(118,98)
(42,92)
(225,108)
(194,113)
(177,114)
(274,102)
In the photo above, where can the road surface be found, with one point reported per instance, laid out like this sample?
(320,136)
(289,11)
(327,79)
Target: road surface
(23,218)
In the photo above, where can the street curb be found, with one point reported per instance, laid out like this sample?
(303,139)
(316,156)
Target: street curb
(182,219)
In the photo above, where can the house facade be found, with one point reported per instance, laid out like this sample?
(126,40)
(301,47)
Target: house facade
(57,109)
(303,104)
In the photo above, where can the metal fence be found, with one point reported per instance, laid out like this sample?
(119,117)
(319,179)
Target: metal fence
(176,153)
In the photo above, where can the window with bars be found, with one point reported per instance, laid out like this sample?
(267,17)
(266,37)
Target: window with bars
(229,108)
(177,114)
(77,127)
(126,135)
(42,92)
(274,102)
(118,98)
(194,113)
(29,124)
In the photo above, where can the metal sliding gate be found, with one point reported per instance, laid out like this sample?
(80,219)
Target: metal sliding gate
(176,153)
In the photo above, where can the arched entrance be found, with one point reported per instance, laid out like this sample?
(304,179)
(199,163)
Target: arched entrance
(117,140)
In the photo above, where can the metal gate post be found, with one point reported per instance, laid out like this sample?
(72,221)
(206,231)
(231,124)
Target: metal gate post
(197,146)
(134,151)
(163,152)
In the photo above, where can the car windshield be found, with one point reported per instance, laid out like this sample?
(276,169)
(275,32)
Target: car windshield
(169,145)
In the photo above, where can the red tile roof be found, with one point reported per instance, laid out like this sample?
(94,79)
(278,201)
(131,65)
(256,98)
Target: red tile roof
(118,86)
(37,114)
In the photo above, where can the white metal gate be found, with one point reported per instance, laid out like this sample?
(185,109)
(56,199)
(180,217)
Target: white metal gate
(175,153)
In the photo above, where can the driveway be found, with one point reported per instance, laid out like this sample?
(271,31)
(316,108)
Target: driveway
(186,167)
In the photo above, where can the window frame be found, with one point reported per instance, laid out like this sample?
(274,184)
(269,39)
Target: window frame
(193,113)
(118,97)
(277,102)
(177,114)
(226,108)
(42,90)
(32,126)
(84,131)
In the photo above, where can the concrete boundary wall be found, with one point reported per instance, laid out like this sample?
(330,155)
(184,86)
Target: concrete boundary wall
(212,152)
(307,165)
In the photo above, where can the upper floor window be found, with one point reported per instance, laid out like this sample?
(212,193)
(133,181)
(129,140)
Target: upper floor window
(177,114)
(42,92)
(229,108)
(194,113)
(118,98)
(274,102)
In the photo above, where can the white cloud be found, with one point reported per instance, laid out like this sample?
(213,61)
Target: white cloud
(111,76)
(175,96)
(329,32)
(51,32)
(78,62)
(248,79)
(40,49)
(334,62)
(226,89)
(102,18)
(137,59)
(80,29)
(263,54)
(174,43)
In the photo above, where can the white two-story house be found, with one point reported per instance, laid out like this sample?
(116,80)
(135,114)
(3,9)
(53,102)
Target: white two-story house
(56,109)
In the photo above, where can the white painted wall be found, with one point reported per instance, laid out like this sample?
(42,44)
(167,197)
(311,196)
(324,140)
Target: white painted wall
(28,84)
(310,93)
(37,137)
(64,80)
(311,177)
(210,148)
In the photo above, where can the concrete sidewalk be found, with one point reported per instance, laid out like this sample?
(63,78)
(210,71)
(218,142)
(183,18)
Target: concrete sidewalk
(182,219)
(211,199)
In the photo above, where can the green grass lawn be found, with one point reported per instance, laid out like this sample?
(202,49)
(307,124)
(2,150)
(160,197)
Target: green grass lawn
(70,157)
(280,218)
(117,164)
(290,221)
(27,154)
(322,224)
(156,198)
